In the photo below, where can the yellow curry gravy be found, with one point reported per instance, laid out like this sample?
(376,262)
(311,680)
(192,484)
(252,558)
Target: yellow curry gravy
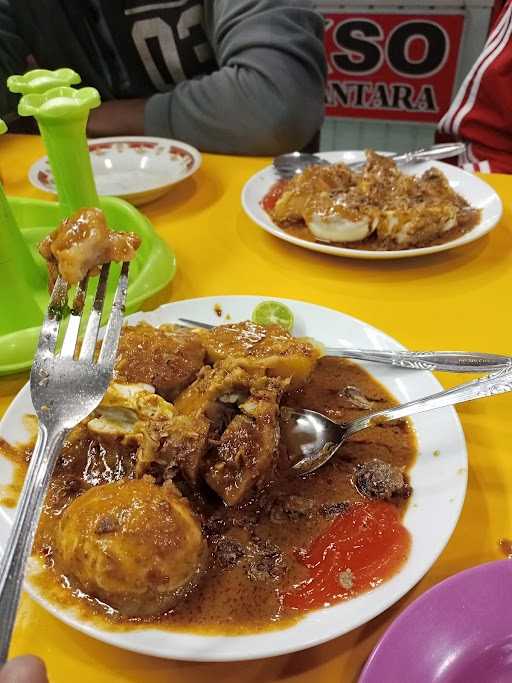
(237,594)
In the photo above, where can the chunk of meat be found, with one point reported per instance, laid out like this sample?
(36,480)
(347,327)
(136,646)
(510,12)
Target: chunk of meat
(226,552)
(380,480)
(246,455)
(264,561)
(82,243)
(169,359)
(202,415)
(238,413)
(291,508)
(270,349)
(183,446)
(314,181)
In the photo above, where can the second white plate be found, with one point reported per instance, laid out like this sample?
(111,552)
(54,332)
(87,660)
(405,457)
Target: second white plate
(477,192)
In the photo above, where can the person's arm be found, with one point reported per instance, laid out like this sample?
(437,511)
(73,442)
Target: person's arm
(480,113)
(267,96)
(13,54)
(117,117)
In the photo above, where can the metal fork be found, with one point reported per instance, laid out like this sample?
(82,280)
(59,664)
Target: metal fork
(433,361)
(65,387)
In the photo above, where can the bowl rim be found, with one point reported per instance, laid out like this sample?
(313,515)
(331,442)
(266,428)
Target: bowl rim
(36,167)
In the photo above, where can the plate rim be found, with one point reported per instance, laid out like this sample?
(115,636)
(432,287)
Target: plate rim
(194,152)
(217,652)
(326,248)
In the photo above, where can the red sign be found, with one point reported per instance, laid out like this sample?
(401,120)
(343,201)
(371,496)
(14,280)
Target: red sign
(397,67)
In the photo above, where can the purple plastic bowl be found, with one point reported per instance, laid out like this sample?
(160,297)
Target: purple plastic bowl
(460,631)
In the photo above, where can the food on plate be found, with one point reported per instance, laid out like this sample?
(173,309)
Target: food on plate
(174,502)
(82,243)
(136,415)
(374,539)
(380,480)
(251,346)
(377,208)
(135,545)
(244,458)
(168,358)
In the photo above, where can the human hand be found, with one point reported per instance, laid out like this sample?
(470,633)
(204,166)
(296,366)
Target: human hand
(117,117)
(26,669)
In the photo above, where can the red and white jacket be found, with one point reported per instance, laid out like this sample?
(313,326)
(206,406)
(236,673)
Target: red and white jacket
(481,112)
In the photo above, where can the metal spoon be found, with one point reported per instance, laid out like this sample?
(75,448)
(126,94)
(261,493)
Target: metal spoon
(288,165)
(314,438)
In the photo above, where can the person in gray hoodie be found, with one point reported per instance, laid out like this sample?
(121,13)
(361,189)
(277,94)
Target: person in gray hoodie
(227,76)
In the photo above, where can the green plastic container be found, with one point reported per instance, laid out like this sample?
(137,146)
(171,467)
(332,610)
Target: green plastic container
(152,269)
(61,113)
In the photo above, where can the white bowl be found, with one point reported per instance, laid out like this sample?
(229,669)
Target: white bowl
(439,486)
(136,168)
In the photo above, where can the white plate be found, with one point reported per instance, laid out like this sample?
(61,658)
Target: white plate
(136,168)
(439,485)
(477,192)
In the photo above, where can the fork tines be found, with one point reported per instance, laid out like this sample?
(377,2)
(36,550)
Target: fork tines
(58,306)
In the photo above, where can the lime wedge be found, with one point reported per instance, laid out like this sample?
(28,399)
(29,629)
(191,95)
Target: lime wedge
(273,313)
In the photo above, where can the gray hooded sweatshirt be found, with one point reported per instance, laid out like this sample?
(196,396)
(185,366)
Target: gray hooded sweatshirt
(232,76)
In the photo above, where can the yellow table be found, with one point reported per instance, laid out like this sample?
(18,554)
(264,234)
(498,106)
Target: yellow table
(453,300)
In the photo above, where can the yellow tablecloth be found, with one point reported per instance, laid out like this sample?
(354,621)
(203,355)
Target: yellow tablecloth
(453,300)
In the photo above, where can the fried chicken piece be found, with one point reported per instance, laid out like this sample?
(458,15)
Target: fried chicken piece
(417,211)
(136,546)
(246,454)
(306,186)
(271,349)
(82,243)
(171,438)
(167,358)
(200,415)
(183,448)
(434,185)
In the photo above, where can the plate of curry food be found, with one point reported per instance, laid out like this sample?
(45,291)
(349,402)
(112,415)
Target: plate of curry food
(381,211)
(174,525)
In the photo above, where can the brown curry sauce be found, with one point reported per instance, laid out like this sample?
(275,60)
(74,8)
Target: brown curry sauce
(277,528)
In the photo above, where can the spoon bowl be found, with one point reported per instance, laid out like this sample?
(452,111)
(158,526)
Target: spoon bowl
(309,437)
(312,438)
(289,165)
